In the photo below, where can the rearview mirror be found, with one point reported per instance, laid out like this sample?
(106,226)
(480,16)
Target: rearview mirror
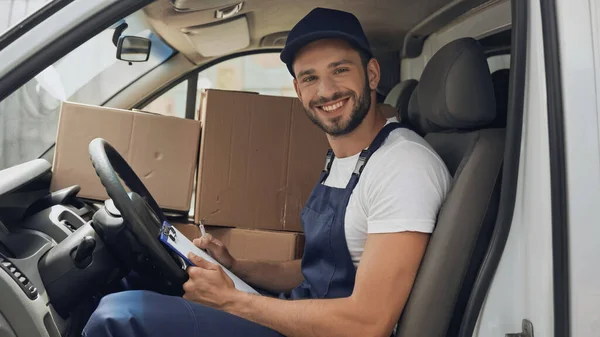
(133,49)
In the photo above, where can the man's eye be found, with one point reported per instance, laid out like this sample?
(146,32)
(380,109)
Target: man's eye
(309,79)
(340,70)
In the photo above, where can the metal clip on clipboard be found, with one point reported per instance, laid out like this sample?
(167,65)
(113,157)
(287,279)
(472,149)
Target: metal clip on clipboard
(169,231)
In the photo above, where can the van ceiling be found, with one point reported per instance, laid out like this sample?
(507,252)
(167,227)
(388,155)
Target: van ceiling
(385,21)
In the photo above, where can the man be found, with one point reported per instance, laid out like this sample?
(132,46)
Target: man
(367,221)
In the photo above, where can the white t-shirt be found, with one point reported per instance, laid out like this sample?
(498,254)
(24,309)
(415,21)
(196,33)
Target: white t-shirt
(401,188)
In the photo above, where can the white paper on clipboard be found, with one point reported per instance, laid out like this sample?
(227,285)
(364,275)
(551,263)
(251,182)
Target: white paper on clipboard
(176,241)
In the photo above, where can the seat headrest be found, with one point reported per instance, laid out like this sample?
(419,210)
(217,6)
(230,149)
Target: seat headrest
(417,122)
(400,95)
(456,89)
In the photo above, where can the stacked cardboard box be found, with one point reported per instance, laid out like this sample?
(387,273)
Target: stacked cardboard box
(161,150)
(257,161)
(260,157)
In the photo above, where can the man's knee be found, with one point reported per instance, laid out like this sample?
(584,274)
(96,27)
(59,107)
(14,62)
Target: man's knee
(149,314)
(121,314)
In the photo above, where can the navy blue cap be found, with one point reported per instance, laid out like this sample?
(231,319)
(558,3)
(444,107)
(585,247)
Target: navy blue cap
(324,23)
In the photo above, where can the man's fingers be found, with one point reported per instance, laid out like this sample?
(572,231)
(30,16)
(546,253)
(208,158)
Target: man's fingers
(188,286)
(193,272)
(206,242)
(202,263)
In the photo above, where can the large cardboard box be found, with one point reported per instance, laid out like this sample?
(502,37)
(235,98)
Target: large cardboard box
(260,157)
(161,150)
(260,245)
(388,111)
(253,244)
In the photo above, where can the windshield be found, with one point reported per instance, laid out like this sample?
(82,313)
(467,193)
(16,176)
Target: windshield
(90,74)
(13,12)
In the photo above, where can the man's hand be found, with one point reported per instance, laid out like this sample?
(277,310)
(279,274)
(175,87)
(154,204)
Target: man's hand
(275,276)
(208,284)
(216,249)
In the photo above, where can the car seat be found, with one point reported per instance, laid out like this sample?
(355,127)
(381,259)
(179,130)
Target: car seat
(454,107)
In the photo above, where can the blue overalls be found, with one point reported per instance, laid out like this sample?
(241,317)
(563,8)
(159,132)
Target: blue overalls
(326,265)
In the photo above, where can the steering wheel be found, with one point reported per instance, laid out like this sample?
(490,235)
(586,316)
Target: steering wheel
(135,241)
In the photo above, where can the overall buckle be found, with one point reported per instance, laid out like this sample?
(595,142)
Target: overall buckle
(362,161)
(328,160)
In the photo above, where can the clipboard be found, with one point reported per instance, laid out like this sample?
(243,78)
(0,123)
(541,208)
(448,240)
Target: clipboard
(182,246)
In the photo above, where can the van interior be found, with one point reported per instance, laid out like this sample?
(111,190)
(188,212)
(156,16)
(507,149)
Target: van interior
(448,70)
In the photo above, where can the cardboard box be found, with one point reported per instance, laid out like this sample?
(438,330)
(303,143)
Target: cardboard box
(260,157)
(387,110)
(161,150)
(263,245)
(253,244)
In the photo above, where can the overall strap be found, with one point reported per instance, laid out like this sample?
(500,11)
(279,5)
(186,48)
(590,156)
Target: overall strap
(366,154)
(328,163)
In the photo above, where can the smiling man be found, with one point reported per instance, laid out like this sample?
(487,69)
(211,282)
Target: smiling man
(367,222)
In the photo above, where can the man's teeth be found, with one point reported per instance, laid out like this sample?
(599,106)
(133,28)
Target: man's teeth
(333,106)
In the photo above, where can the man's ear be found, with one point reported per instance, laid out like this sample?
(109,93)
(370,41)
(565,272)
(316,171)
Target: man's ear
(297,89)
(373,73)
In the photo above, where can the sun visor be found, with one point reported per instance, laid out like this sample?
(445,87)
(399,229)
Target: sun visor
(219,39)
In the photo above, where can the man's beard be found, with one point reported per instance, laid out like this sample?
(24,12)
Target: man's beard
(337,126)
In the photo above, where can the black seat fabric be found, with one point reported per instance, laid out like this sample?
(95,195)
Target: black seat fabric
(454,107)
(418,123)
(399,97)
(500,80)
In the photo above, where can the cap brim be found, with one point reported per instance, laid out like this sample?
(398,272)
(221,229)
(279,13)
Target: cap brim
(290,50)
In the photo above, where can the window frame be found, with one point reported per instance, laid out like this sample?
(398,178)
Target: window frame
(31,21)
(192,76)
(61,45)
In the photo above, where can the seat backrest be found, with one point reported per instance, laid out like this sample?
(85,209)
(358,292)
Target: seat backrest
(399,97)
(456,106)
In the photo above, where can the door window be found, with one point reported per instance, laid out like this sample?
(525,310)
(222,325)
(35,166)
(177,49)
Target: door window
(89,74)
(261,73)
(171,103)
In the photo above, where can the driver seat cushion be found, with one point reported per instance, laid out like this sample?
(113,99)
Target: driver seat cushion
(458,128)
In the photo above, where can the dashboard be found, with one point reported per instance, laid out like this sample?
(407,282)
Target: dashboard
(50,256)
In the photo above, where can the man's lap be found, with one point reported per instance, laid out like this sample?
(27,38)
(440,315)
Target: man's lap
(146,313)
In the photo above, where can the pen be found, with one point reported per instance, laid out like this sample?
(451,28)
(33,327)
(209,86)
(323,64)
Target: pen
(202,230)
